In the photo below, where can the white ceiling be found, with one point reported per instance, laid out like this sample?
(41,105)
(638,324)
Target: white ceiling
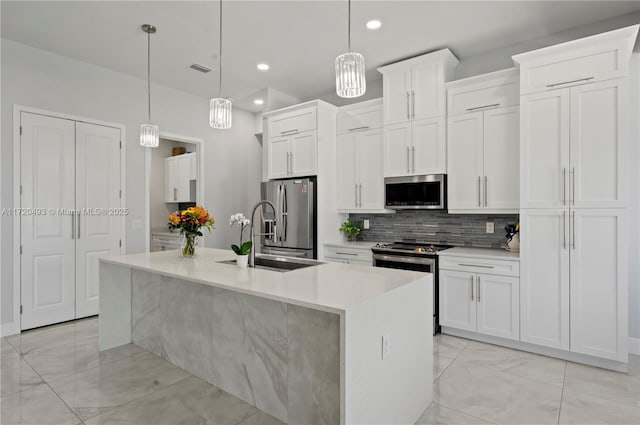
(299,39)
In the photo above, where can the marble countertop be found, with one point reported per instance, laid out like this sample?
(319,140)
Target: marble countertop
(330,287)
(494,254)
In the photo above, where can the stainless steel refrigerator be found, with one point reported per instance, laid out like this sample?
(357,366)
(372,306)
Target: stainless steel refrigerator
(295,218)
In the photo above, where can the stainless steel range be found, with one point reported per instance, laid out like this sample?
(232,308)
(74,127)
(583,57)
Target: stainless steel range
(412,255)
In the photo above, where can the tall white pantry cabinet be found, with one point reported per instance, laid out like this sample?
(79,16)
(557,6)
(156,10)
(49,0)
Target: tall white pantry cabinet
(573,195)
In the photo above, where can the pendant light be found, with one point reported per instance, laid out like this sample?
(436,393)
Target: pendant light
(219,107)
(350,77)
(149,133)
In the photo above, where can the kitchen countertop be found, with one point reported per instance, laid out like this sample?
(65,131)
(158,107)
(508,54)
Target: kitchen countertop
(491,253)
(329,287)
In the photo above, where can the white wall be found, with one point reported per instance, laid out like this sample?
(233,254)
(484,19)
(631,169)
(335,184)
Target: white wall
(40,79)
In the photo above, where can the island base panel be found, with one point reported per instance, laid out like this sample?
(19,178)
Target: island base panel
(281,358)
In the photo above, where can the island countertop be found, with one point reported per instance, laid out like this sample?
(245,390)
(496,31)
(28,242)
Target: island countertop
(329,287)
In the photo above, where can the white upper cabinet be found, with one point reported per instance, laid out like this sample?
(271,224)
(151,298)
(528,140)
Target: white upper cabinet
(291,142)
(574,146)
(179,171)
(599,144)
(586,60)
(413,114)
(574,123)
(359,153)
(483,144)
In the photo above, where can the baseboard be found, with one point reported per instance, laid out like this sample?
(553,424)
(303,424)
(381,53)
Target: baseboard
(10,328)
(537,349)
(634,346)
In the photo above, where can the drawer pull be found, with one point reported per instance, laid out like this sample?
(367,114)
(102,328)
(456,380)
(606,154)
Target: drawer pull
(569,82)
(295,130)
(475,265)
(359,128)
(346,253)
(493,105)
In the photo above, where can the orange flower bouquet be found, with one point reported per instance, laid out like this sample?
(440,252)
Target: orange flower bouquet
(189,222)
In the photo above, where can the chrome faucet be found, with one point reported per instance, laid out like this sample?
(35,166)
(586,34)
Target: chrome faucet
(252,255)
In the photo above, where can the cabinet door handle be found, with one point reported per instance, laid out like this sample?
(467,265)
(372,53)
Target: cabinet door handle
(175,194)
(471,286)
(408,160)
(360,197)
(479,199)
(346,253)
(364,127)
(73,226)
(485,191)
(475,265)
(413,104)
(564,230)
(413,159)
(573,185)
(478,294)
(564,186)
(291,153)
(493,105)
(78,222)
(295,130)
(408,113)
(573,231)
(569,82)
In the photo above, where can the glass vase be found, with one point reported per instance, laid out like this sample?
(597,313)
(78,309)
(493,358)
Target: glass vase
(189,244)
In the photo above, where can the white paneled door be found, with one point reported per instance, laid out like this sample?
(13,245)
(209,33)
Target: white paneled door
(47,263)
(70,182)
(98,201)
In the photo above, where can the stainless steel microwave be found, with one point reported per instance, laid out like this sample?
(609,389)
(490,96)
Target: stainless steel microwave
(416,192)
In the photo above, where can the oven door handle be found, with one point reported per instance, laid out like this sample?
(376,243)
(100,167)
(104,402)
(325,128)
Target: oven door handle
(407,260)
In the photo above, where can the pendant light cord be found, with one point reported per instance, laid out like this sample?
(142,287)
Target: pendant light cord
(349,30)
(220,55)
(149,74)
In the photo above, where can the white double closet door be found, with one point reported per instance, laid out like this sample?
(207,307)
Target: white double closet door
(70,177)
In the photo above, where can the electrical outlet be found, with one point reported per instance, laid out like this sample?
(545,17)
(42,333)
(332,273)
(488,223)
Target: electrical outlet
(366,224)
(490,227)
(386,346)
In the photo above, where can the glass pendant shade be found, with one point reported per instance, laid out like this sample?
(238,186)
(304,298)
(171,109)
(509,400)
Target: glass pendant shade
(220,113)
(350,78)
(149,135)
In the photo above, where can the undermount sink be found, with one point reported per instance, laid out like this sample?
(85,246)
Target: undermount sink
(280,264)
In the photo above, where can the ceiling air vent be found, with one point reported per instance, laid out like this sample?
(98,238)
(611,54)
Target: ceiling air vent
(200,68)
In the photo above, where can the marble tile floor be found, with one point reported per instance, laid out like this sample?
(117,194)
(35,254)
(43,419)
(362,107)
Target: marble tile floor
(56,375)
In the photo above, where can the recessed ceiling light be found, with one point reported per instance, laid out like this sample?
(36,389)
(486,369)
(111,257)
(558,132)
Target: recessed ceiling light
(201,68)
(263,67)
(374,24)
(258,101)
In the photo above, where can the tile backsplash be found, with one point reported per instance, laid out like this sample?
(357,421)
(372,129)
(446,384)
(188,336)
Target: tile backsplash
(436,226)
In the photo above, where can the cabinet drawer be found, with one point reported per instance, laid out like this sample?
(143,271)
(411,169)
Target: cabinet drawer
(365,118)
(292,122)
(348,253)
(462,102)
(579,67)
(480,265)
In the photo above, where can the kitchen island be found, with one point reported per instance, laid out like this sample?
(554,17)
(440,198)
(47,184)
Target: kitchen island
(331,343)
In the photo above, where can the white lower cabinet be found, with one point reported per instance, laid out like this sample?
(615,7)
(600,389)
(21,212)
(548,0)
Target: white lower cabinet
(349,253)
(574,280)
(485,303)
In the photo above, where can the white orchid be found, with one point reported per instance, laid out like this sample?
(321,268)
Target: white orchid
(241,221)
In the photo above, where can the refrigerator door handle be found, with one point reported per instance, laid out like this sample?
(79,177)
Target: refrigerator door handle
(284,211)
(278,209)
